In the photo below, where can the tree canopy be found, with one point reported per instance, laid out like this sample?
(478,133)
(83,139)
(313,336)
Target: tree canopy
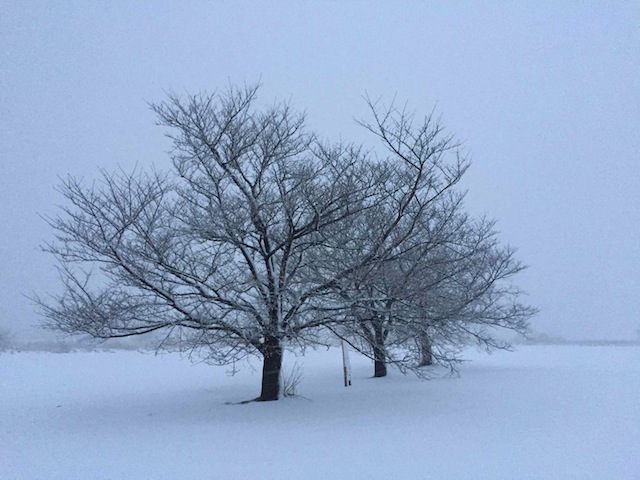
(262,236)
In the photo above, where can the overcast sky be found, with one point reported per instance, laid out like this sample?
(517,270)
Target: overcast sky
(545,96)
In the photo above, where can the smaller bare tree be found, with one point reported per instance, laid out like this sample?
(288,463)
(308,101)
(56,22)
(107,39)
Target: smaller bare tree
(443,280)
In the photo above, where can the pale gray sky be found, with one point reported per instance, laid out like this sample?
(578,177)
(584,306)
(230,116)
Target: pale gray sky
(546,96)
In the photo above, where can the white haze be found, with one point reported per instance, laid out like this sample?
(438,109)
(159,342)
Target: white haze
(546,97)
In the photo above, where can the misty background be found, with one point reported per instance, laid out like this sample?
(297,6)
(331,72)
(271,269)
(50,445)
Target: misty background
(545,97)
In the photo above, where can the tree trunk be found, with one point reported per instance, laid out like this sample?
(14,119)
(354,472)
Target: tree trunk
(272,364)
(426,351)
(379,354)
(379,366)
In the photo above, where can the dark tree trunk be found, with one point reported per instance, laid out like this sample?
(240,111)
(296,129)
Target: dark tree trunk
(379,366)
(426,351)
(272,364)
(379,354)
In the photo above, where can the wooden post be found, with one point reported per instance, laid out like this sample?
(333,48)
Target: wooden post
(346,364)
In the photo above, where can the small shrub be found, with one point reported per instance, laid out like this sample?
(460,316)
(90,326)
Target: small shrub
(291,378)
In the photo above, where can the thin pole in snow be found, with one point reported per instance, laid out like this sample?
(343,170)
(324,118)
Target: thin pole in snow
(346,364)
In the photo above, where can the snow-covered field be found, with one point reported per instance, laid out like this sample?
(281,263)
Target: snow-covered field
(552,412)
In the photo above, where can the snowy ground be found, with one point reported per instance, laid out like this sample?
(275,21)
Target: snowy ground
(552,412)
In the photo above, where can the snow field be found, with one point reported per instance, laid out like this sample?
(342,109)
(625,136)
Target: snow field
(552,412)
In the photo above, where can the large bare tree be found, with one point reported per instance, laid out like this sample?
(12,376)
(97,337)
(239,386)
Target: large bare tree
(257,235)
(226,250)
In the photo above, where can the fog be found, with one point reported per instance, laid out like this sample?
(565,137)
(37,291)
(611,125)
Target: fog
(545,97)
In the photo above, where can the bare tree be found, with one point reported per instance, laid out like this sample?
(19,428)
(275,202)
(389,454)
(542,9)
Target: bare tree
(259,236)
(226,251)
(6,340)
(444,280)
